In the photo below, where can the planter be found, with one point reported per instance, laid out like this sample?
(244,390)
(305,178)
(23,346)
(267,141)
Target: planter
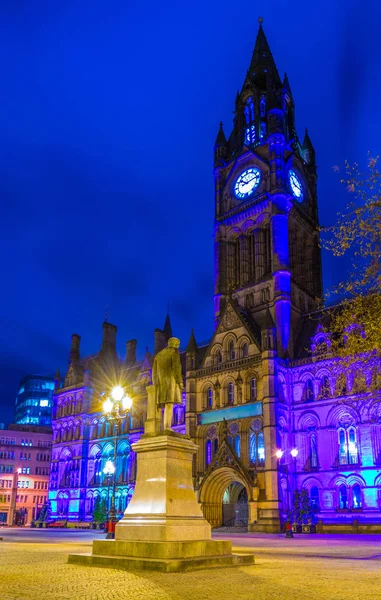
(296,528)
(308,528)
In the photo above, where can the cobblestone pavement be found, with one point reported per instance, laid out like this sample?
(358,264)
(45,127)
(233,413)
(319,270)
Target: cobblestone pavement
(33,566)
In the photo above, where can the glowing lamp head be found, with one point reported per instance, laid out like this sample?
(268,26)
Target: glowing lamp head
(294,452)
(127,402)
(19,470)
(109,468)
(107,406)
(279,453)
(117,393)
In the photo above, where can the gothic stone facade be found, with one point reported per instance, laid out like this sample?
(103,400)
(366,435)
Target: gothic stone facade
(266,381)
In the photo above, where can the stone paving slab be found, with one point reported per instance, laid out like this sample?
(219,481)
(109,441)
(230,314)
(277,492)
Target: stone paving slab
(31,570)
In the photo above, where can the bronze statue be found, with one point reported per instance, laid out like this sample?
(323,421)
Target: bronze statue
(167,379)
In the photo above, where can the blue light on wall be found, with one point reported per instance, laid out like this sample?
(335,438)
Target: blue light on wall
(232,412)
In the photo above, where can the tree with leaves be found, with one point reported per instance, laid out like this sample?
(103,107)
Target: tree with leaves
(100,510)
(355,325)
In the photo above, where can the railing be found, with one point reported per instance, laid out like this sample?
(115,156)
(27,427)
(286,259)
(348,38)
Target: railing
(231,364)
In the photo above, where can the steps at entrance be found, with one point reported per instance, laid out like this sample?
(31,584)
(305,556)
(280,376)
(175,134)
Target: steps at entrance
(230,529)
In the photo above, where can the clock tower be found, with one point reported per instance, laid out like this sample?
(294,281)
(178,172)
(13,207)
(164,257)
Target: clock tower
(267,256)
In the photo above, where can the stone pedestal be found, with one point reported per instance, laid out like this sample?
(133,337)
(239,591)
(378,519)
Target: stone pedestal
(163,527)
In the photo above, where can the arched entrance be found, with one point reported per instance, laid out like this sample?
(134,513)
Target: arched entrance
(223,492)
(235,512)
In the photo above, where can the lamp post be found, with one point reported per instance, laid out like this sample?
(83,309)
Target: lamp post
(108,471)
(294,453)
(116,408)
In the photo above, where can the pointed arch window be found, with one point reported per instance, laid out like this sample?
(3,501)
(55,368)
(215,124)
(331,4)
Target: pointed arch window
(245,350)
(356,496)
(218,357)
(249,122)
(325,387)
(208,452)
(343,497)
(257,448)
(215,445)
(348,449)
(237,445)
(231,350)
(313,450)
(231,393)
(262,107)
(253,389)
(310,391)
(209,397)
(314,497)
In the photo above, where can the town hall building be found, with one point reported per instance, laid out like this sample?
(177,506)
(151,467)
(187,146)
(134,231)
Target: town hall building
(270,409)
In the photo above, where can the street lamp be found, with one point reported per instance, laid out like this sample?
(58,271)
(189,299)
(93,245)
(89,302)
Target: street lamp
(108,471)
(116,408)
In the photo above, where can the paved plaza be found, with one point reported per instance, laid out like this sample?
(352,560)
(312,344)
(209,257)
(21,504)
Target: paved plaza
(33,566)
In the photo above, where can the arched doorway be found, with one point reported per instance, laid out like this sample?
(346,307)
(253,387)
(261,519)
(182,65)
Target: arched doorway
(223,492)
(235,512)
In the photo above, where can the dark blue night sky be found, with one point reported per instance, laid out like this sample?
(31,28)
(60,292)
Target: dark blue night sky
(109,115)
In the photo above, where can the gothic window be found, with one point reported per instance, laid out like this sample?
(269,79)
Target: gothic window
(253,448)
(257,448)
(124,472)
(97,470)
(261,448)
(325,390)
(343,497)
(237,445)
(314,497)
(253,389)
(262,131)
(209,397)
(262,107)
(218,358)
(341,385)
(230,393)
(313,450)
(309,390)
(348,451)
(231,350)
(249,122)
(356,496)
(215,445)
(245,350)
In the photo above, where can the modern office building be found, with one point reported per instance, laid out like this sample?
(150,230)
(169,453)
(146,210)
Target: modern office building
(34,400)
(25,454)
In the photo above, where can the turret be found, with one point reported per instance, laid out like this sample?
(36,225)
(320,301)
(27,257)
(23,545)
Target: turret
(74,355)
(131,353)
(220,146)
(192,353)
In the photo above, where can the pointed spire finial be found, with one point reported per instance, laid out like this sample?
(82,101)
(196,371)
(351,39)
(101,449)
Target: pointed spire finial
(260,21)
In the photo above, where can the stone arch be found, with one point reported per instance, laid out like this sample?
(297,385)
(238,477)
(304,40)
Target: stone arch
(310,482)
(213,488)
(307,420)
(336,412)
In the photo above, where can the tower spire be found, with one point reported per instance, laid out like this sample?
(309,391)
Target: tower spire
(167,325)
(262,65)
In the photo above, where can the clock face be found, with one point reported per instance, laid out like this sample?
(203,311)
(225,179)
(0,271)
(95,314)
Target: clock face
(247,182)
(295,185)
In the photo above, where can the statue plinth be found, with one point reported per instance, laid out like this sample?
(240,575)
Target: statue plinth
(163,528)
(164,506)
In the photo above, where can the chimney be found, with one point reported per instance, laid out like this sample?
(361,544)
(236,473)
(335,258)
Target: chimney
(74,351)
(109,338)
(160,340)
(131,352)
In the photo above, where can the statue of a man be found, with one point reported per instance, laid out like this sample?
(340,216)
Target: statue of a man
(168,379)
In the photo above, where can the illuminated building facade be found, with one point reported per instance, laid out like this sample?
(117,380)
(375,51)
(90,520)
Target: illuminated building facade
(34,400)
(25,454)
(84,439)
(270,410)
